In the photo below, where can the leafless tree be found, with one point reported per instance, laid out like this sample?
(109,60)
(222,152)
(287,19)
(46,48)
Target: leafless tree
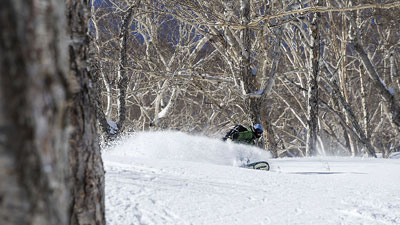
(39,156)
(33,94)
(49,175)
(84,150)
(206,65)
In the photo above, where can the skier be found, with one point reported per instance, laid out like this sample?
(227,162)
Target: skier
(241,134)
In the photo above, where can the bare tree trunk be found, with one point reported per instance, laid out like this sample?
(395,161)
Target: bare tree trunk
(384,92)
(364,103)
(358,131)
(394,74)
(162,113)
(123,64)
(33,130)
(95,92)
(124,34)
(343,77)
(363,85)
(377,81)
(84,153)
(98,74)
(312,106)
(158,102)
(272,144)
(248,79)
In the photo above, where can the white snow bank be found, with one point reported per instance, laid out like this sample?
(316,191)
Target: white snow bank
(171,178)
(178,146)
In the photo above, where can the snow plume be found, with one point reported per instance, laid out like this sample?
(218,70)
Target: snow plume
(178,146)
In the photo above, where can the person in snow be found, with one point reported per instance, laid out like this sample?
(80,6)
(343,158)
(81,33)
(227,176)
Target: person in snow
(241,134)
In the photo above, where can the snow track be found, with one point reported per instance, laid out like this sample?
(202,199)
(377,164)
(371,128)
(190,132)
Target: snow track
(151,187)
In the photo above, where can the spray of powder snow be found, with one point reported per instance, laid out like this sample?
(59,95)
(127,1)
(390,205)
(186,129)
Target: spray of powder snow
(171,145)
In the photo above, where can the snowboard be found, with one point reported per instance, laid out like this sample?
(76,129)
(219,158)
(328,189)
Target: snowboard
(260,165)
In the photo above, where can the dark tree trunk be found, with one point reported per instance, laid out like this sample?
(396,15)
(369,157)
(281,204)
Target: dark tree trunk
(246,75)
(272,143)
(312,106)
(123,64)
(123,79)
(33,92)
(84,155)
(98,75)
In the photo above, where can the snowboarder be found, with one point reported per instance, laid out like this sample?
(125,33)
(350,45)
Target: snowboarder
(241,134)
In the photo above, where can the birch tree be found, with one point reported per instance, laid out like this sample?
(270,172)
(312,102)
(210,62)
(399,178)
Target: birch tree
(205,65)
(312,101)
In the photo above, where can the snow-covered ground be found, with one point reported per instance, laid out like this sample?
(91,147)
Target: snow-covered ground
(174,178)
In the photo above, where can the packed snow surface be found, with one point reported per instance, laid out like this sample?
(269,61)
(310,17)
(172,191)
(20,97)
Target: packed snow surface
(174,178)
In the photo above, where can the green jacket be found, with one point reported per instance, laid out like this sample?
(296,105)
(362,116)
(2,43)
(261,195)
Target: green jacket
(245,137)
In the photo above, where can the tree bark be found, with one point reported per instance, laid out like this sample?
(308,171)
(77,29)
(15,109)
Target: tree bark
(123,64)
(98,74)
(272,143)
(344,81)
(124,34)
(393,74)
(84,152)
(33,130)
(246,74)
(312,101)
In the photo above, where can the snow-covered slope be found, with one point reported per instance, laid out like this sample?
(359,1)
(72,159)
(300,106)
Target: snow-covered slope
(175,178)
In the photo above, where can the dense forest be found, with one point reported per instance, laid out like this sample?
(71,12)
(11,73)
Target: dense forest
(321,76)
